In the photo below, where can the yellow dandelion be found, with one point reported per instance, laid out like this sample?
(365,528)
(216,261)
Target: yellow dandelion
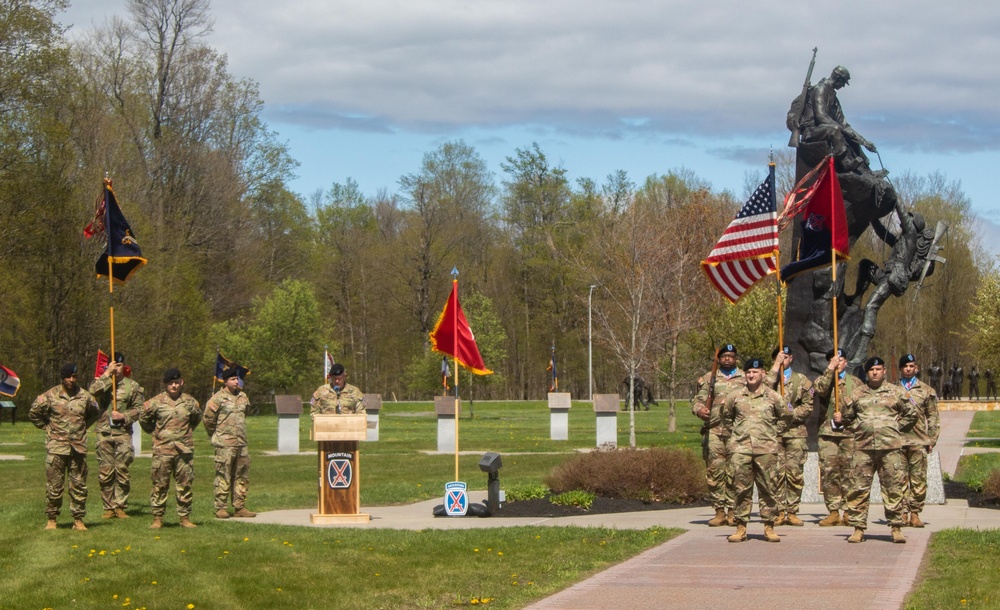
(245,539)
(474,601)
(93,550)
(183,550)
(499,553)
(154,583)
(115,596)
(156,537)
(225,552)
(74,546)
(190,606)
(103,552)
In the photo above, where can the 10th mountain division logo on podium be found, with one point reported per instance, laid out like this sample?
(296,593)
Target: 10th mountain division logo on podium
(339,472)
(456,499)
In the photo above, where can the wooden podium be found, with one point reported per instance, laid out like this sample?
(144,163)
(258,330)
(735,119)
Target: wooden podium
(337,438)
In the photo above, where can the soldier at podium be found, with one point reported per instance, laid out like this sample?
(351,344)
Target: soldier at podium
(338,396)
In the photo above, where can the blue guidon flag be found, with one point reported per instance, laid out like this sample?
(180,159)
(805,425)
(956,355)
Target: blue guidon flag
(9,382)
(339,473)
(456,499)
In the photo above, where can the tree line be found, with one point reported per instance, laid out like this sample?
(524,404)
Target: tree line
(239,263)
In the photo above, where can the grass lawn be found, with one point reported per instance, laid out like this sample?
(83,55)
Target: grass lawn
(123,564)
(961,570)
(985,425)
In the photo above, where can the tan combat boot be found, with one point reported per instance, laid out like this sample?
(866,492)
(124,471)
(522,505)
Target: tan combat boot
(244,513)
(78,525)
(731,517)
(830,520)
(120,513)
(740,535)
(222,514)
(50,524)
(108,514)
(897,535)
(769,534)
(157,523)
(857,536)
(185,522)
(719,519)
(793,519)
(781,518)
(915,520)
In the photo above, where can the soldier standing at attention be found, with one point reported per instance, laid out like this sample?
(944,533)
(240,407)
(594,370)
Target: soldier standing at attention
(878,413)
(919,441)
(226,424)
(115,451)
(798,402)
(338,396)
(753,417)
(836,446)
(712,388)
(171,417)
(65,412)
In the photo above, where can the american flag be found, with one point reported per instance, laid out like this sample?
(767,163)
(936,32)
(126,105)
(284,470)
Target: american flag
(748,250)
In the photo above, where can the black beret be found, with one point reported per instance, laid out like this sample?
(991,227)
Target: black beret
(829,354)
(753,363)
(873,361)
(336,369)
(119,357)
(230,372)
(728,347)
(908,358)
(171,375)
(785,349)
(68,370)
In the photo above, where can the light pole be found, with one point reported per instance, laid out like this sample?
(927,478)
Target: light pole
(590,344)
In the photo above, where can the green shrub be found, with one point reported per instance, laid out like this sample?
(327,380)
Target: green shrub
(583,499)
(652,475)
(525,491)
(991,487)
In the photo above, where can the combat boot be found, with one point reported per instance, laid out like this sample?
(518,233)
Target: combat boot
(857,536)
(185,522)
(108,514)
(731,517)
(157,523)
(719,519)
(793,519)
(897,535)
(120,513)
(915,520)
(222,514)
(769,534)
(78,525)
(781,519)
(830,520)
(740,535)
(244,513)
(50,524)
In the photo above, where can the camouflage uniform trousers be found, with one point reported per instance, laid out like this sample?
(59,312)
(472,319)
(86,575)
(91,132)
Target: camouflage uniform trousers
(114,455)
(891,467)
(718,471)
(791,467)
(916,474)
(181,466)
(57,467)
(232,470)
(763,470)
(835,470)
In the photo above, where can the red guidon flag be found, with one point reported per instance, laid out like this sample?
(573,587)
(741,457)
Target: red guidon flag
(453,336)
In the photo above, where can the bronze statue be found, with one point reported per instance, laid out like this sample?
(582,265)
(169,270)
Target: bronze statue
(974,383)
(935,373)
(991,384)
(957,377)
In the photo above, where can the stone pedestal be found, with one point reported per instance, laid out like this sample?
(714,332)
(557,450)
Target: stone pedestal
(289,409)
(444,408)
(373,406)
(813,494)
(559,403)
(606,408)
(137,438)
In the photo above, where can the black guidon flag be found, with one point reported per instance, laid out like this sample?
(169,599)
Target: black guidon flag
(122,248)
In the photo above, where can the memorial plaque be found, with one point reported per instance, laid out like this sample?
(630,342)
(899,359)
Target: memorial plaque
(606,403)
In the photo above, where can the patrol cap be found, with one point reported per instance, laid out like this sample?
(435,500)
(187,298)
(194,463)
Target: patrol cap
(784,350)
(908,358)
(829,354)
(119,357)
(68,370)
(171,375)
(728,347)
(229,372)
(872,362)
(842,72)
(337,369)
(753,363)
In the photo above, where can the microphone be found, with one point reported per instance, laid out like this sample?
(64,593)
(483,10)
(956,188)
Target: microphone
(337,389)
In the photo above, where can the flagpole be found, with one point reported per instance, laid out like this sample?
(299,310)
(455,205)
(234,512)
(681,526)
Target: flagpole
(111,290)
(833,276)
(454,274)
(781,319)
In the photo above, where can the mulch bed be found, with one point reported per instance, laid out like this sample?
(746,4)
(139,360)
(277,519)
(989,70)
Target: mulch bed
(960,491)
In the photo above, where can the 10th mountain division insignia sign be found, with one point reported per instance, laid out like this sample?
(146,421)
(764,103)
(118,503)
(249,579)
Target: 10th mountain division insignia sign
(456,499)
(339,471)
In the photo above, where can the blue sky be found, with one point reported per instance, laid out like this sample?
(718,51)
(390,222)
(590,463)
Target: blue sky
(363,90)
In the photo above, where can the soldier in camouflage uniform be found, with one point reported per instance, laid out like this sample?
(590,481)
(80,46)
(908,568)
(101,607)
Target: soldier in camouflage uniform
(878,413)
(338,396)
(836,447)
(798,400)
(226,424)
(713,441)
(753,417)
(65,412)
(171,417)
(115,451)
(919,441)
